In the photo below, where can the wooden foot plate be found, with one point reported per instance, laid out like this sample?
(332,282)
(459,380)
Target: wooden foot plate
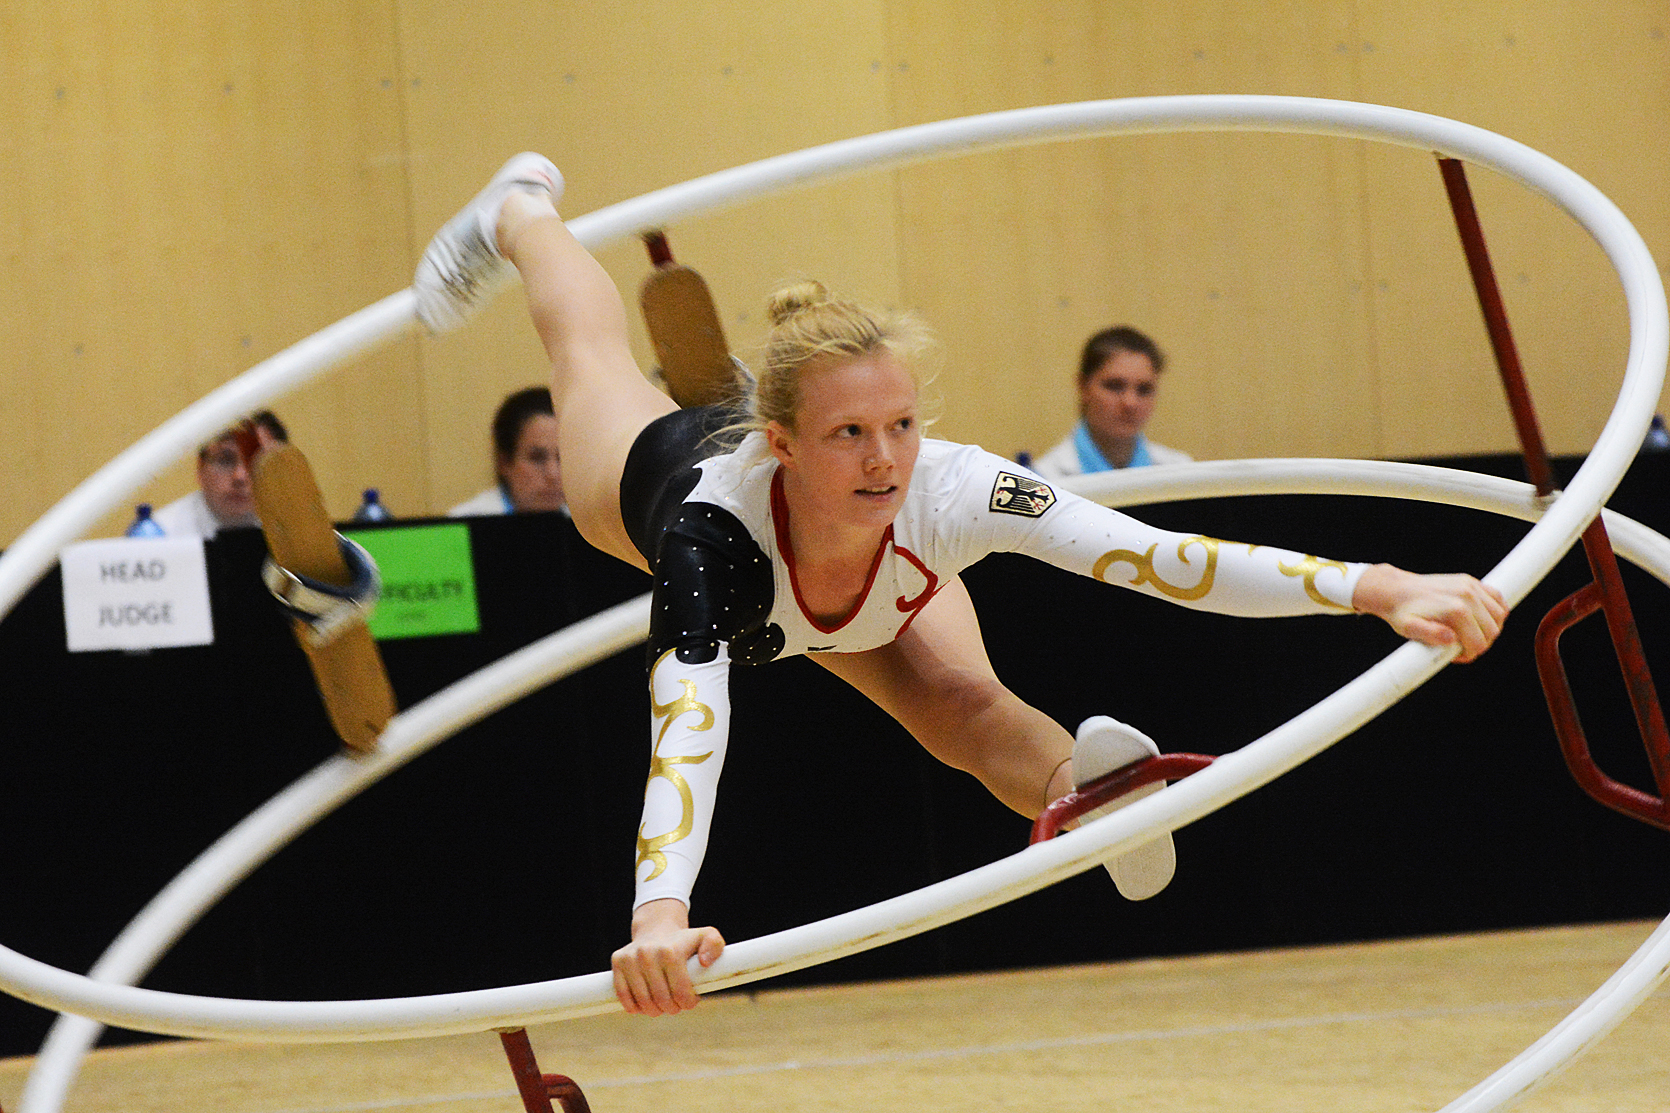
(684,328)
(349,669)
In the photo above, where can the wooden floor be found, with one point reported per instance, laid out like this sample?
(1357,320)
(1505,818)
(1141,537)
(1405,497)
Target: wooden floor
(1399,1026)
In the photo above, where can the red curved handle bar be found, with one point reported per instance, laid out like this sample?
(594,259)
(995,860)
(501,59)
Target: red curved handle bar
(1110,786)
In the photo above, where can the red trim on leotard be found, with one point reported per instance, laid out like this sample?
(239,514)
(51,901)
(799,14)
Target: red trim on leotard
(780,523)
(913,607)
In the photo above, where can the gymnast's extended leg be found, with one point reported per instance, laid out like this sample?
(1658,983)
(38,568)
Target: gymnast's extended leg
(937,681)
(602,400)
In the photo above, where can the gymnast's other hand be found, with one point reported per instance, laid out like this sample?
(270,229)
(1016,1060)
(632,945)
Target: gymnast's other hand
(652,975)
(1442,609)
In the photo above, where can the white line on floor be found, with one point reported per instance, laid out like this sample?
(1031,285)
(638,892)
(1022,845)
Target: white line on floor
(973,1050)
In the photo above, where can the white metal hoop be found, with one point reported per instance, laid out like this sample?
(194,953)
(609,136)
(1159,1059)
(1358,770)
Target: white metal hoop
(1557,528)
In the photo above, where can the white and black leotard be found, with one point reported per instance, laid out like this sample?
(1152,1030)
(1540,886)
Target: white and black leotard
(710,519)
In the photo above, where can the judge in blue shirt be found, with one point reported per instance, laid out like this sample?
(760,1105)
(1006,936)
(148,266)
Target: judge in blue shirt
(1118,383)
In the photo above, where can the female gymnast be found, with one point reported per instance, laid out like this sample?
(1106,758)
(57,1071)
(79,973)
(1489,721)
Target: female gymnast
(818,520)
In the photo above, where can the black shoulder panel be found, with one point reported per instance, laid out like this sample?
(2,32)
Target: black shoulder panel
(660,470)
(713,583)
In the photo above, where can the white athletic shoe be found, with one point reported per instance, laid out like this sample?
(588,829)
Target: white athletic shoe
(1103,745)
(462,269)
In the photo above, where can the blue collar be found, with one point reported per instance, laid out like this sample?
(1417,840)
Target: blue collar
(1091,458)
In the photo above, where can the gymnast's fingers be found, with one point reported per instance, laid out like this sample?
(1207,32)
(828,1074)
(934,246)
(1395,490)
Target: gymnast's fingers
(653,979)
(631,985)
(1475,617)
(627,990)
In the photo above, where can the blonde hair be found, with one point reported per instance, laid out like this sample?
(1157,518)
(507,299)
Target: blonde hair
(809,326)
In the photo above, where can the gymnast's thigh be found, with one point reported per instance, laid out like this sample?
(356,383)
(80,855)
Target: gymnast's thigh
(934,676)
(597,432)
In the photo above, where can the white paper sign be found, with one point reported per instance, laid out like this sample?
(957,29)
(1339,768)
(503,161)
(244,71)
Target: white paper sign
(136,593)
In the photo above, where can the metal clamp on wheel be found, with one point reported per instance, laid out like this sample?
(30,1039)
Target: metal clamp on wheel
(326,610)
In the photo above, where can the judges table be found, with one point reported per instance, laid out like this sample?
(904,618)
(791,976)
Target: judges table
(505,855)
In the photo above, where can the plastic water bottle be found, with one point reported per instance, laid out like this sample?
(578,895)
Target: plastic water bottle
(143,524)
(372,508)
(1658,437)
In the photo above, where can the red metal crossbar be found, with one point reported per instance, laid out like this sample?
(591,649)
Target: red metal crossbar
(1605,593)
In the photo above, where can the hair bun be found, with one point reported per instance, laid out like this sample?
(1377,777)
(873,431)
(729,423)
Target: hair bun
(798,298)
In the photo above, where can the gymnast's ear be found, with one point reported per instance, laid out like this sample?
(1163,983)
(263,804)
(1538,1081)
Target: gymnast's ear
(781,439)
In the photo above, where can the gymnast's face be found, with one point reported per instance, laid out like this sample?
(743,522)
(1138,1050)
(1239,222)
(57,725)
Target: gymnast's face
(1118,398)
(849,458)
(533,473)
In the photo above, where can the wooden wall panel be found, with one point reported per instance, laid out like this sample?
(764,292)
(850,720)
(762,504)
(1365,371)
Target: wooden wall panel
(1311,295)
(195,186)
(189,188)
(1241,255)
(1591,90)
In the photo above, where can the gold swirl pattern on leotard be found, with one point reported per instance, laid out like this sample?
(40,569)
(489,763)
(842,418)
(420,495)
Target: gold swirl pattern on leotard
(1144,565)
(1308,568)
(650,848)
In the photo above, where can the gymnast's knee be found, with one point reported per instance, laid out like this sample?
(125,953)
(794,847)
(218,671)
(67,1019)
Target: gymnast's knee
(949,718)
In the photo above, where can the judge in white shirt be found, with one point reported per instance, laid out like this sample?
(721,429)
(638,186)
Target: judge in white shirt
(1118,383)
(525,457)
(225,497)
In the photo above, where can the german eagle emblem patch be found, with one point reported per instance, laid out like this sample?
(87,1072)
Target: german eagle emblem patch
(1018,494)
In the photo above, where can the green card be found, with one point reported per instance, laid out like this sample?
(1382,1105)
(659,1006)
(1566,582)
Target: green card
(428,580)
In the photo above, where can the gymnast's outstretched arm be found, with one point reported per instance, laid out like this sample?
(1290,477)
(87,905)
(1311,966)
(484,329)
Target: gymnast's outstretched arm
(1228,577)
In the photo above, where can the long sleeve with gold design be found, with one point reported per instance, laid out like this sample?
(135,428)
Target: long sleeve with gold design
(690,711)
(1025,515)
